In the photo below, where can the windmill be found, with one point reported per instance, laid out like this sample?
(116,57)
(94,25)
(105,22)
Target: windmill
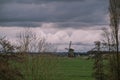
(70,50)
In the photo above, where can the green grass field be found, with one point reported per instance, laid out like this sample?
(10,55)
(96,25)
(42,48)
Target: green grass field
(55,68)
(74,69)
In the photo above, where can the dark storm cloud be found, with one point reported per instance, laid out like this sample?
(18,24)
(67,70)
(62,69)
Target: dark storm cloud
(35,1)
(21,24)
(64,13)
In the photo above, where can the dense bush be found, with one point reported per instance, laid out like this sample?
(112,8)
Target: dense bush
(6,71)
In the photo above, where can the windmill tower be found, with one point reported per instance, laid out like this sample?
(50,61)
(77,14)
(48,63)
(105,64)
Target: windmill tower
(70,50)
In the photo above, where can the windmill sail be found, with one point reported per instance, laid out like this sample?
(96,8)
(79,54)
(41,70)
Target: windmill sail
(70,50)
(70,45)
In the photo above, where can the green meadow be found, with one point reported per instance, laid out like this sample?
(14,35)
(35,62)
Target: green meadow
(47,67)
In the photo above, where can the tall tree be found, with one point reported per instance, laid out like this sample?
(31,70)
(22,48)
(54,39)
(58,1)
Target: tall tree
(114,25)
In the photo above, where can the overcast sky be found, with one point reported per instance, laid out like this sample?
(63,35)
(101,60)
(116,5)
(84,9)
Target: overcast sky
(58,20)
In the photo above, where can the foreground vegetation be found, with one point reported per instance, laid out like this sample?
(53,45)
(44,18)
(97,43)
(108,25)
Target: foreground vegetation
(50,67)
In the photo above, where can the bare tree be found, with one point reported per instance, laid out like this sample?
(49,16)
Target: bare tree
(24,39)
(5,45)
(28,41)
(106,38)
(114,21)
(40,45)
(114,25)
